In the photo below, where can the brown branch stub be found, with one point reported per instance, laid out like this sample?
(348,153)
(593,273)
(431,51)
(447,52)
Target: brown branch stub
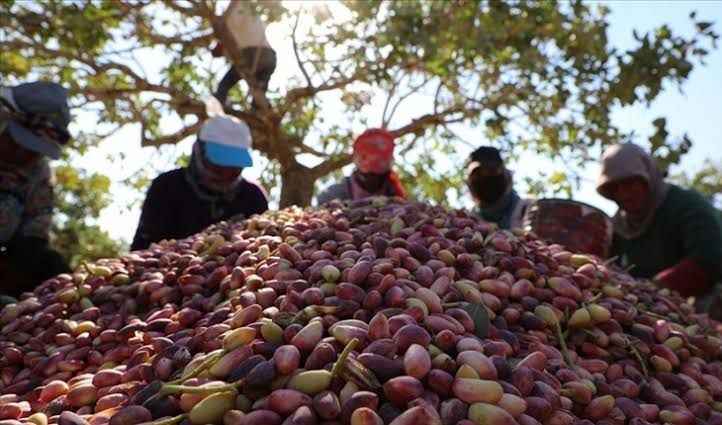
(171,138)
(304,92)
(402,98)
(428,120)
(392,91)
(331,165)
(301,65)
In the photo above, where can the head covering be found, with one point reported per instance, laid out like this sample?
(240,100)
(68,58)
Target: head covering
(200,179)
(390,186)
(627,160)
(373,151)
(31,107)
(487,177)
(487,157)
(227,142)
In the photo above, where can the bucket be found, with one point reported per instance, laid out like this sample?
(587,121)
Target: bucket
(579,227)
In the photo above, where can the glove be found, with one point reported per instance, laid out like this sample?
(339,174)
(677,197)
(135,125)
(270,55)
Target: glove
(687,277)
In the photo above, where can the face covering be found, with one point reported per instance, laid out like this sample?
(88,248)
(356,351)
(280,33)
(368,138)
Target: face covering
(487,189)
(205,183)
(371,182)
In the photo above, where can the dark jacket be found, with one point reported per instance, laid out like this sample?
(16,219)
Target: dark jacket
(685,228)
(173,211)
(26,201)
(26,207)
(509,214)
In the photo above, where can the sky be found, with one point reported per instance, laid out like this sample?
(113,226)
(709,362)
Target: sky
(696,111)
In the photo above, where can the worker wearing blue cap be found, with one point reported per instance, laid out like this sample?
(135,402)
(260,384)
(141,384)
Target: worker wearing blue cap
(34,120)
(184,201)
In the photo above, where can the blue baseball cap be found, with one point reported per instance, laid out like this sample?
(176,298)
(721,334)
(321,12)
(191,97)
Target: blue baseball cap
(227,142)
(38,105)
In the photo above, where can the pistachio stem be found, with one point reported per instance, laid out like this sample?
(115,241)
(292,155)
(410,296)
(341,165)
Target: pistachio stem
(636,354)
(210,361)
(563,345)
(169,421)
(175,389)
(594,298)
(342,358)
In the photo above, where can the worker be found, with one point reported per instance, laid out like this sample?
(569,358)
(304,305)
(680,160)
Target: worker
(34,120)
(258,59)
(664,232)
(491,186)
(211,188)
(373,156)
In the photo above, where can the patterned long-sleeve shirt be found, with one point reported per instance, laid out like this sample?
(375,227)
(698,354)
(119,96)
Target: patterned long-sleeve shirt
(26,201)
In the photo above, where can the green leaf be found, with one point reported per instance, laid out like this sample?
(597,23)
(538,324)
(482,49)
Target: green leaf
(480,317)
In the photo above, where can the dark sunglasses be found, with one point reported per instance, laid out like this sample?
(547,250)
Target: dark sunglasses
(38,124)
(41,126)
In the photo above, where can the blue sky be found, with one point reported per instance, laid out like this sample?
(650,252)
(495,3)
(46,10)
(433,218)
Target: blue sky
(696,111)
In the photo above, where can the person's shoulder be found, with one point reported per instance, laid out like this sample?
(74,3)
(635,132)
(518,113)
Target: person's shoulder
(254,188)
(42,170)
(679,197)
(336,186)
(681,201)
(170,176)
(335,191)
(526,201)
(524,204)
(169,179)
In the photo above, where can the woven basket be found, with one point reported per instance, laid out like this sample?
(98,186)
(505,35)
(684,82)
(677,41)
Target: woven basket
(576,225)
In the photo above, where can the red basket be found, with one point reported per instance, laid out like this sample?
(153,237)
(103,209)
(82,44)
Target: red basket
(576,225)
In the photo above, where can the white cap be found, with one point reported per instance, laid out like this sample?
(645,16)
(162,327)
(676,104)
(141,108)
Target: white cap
(228,141)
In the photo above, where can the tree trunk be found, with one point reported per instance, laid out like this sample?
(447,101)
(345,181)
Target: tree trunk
(296,186)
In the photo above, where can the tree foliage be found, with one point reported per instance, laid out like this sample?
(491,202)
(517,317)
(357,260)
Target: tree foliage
(80,197)
(531,76)
(707,181)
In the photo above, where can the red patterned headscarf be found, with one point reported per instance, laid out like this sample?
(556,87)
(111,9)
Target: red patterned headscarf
(373,151)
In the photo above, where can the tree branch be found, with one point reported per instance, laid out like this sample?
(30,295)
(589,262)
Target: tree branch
(294,95)
(404,97)
(307,149)
(428,120)
(330,165)
(171,138)
(295,50)
(392,91)
(436,96)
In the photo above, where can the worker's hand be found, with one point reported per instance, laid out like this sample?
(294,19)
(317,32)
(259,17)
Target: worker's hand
(686,277)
